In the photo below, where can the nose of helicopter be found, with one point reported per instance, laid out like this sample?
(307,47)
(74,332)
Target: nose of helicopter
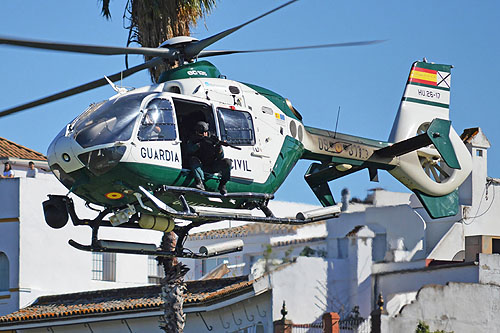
(63,152)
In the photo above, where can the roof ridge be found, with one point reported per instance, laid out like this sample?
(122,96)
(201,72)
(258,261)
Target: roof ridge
(132,291)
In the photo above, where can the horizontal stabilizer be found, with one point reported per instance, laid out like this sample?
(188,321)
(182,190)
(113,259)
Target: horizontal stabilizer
(439,207)
(437,134)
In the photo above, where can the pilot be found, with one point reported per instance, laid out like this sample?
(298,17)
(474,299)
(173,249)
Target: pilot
(150,129)
(205,153)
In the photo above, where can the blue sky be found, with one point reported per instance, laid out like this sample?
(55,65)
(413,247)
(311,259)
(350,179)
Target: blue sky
(366,82)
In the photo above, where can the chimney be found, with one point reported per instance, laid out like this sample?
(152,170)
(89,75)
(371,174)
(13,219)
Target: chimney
(346,196)
(477,143)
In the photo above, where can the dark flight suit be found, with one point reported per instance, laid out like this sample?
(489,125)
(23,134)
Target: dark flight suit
(205,154)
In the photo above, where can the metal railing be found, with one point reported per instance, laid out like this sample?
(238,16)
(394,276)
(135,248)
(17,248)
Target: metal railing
(355,325)
(308,328)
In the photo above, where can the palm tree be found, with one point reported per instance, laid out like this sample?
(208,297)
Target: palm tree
(172,288)
(151,22)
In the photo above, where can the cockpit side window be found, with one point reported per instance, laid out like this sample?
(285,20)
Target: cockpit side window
(236,127)
(158,123)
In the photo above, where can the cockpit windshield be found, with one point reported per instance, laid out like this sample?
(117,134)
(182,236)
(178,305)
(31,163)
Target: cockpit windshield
(108,121)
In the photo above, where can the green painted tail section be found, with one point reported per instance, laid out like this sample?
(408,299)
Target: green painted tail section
(317,177)
(439,133)
(438,207)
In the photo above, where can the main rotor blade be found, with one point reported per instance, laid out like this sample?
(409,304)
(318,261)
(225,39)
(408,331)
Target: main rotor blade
(88,49)
(192,50)
(209,53)
(84,87)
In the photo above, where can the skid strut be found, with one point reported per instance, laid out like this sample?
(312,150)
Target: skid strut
(196,216)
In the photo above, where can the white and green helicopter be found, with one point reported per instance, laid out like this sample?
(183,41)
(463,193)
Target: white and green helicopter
(110,157)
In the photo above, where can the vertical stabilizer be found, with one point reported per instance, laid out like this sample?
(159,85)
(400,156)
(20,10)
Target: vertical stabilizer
(426,96)
(424,171)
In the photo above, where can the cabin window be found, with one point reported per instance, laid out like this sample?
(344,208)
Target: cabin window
(236,127)
(104,266)
(4,272)
(158,123)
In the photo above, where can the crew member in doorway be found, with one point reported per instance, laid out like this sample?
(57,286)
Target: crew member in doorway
(205,154)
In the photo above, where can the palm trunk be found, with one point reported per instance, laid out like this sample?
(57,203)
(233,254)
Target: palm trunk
(172,288)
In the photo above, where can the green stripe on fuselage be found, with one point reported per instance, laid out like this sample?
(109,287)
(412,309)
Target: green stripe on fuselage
(421,101)
(129,176)
(436,67)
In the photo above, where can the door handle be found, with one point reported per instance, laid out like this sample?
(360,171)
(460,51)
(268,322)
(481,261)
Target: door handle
(258,154)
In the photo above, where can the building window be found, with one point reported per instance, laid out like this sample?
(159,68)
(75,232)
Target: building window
(4,272)
(104,266)
(155,270)
(479,152)
(342,248)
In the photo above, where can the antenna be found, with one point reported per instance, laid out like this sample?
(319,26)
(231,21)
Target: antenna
(337,124)
(119,90)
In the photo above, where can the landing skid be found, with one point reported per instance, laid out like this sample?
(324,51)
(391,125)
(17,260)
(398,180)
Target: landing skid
(180,190)
(195,216)
(144,249)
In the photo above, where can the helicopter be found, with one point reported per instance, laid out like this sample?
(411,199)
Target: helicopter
(109,157)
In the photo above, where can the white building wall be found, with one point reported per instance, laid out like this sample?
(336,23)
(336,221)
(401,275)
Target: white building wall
(302,286)
(398,222)
(41,260)
(9,241)
(9,300)
(450,245)
(456,307)
(9,189)
(393,286)
(360,262)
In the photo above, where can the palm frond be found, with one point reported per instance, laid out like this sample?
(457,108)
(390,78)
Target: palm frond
(105,9)
(151,22)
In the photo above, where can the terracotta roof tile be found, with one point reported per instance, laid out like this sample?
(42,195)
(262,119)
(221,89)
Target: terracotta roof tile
(114,301)
(12,149)
(469,134)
